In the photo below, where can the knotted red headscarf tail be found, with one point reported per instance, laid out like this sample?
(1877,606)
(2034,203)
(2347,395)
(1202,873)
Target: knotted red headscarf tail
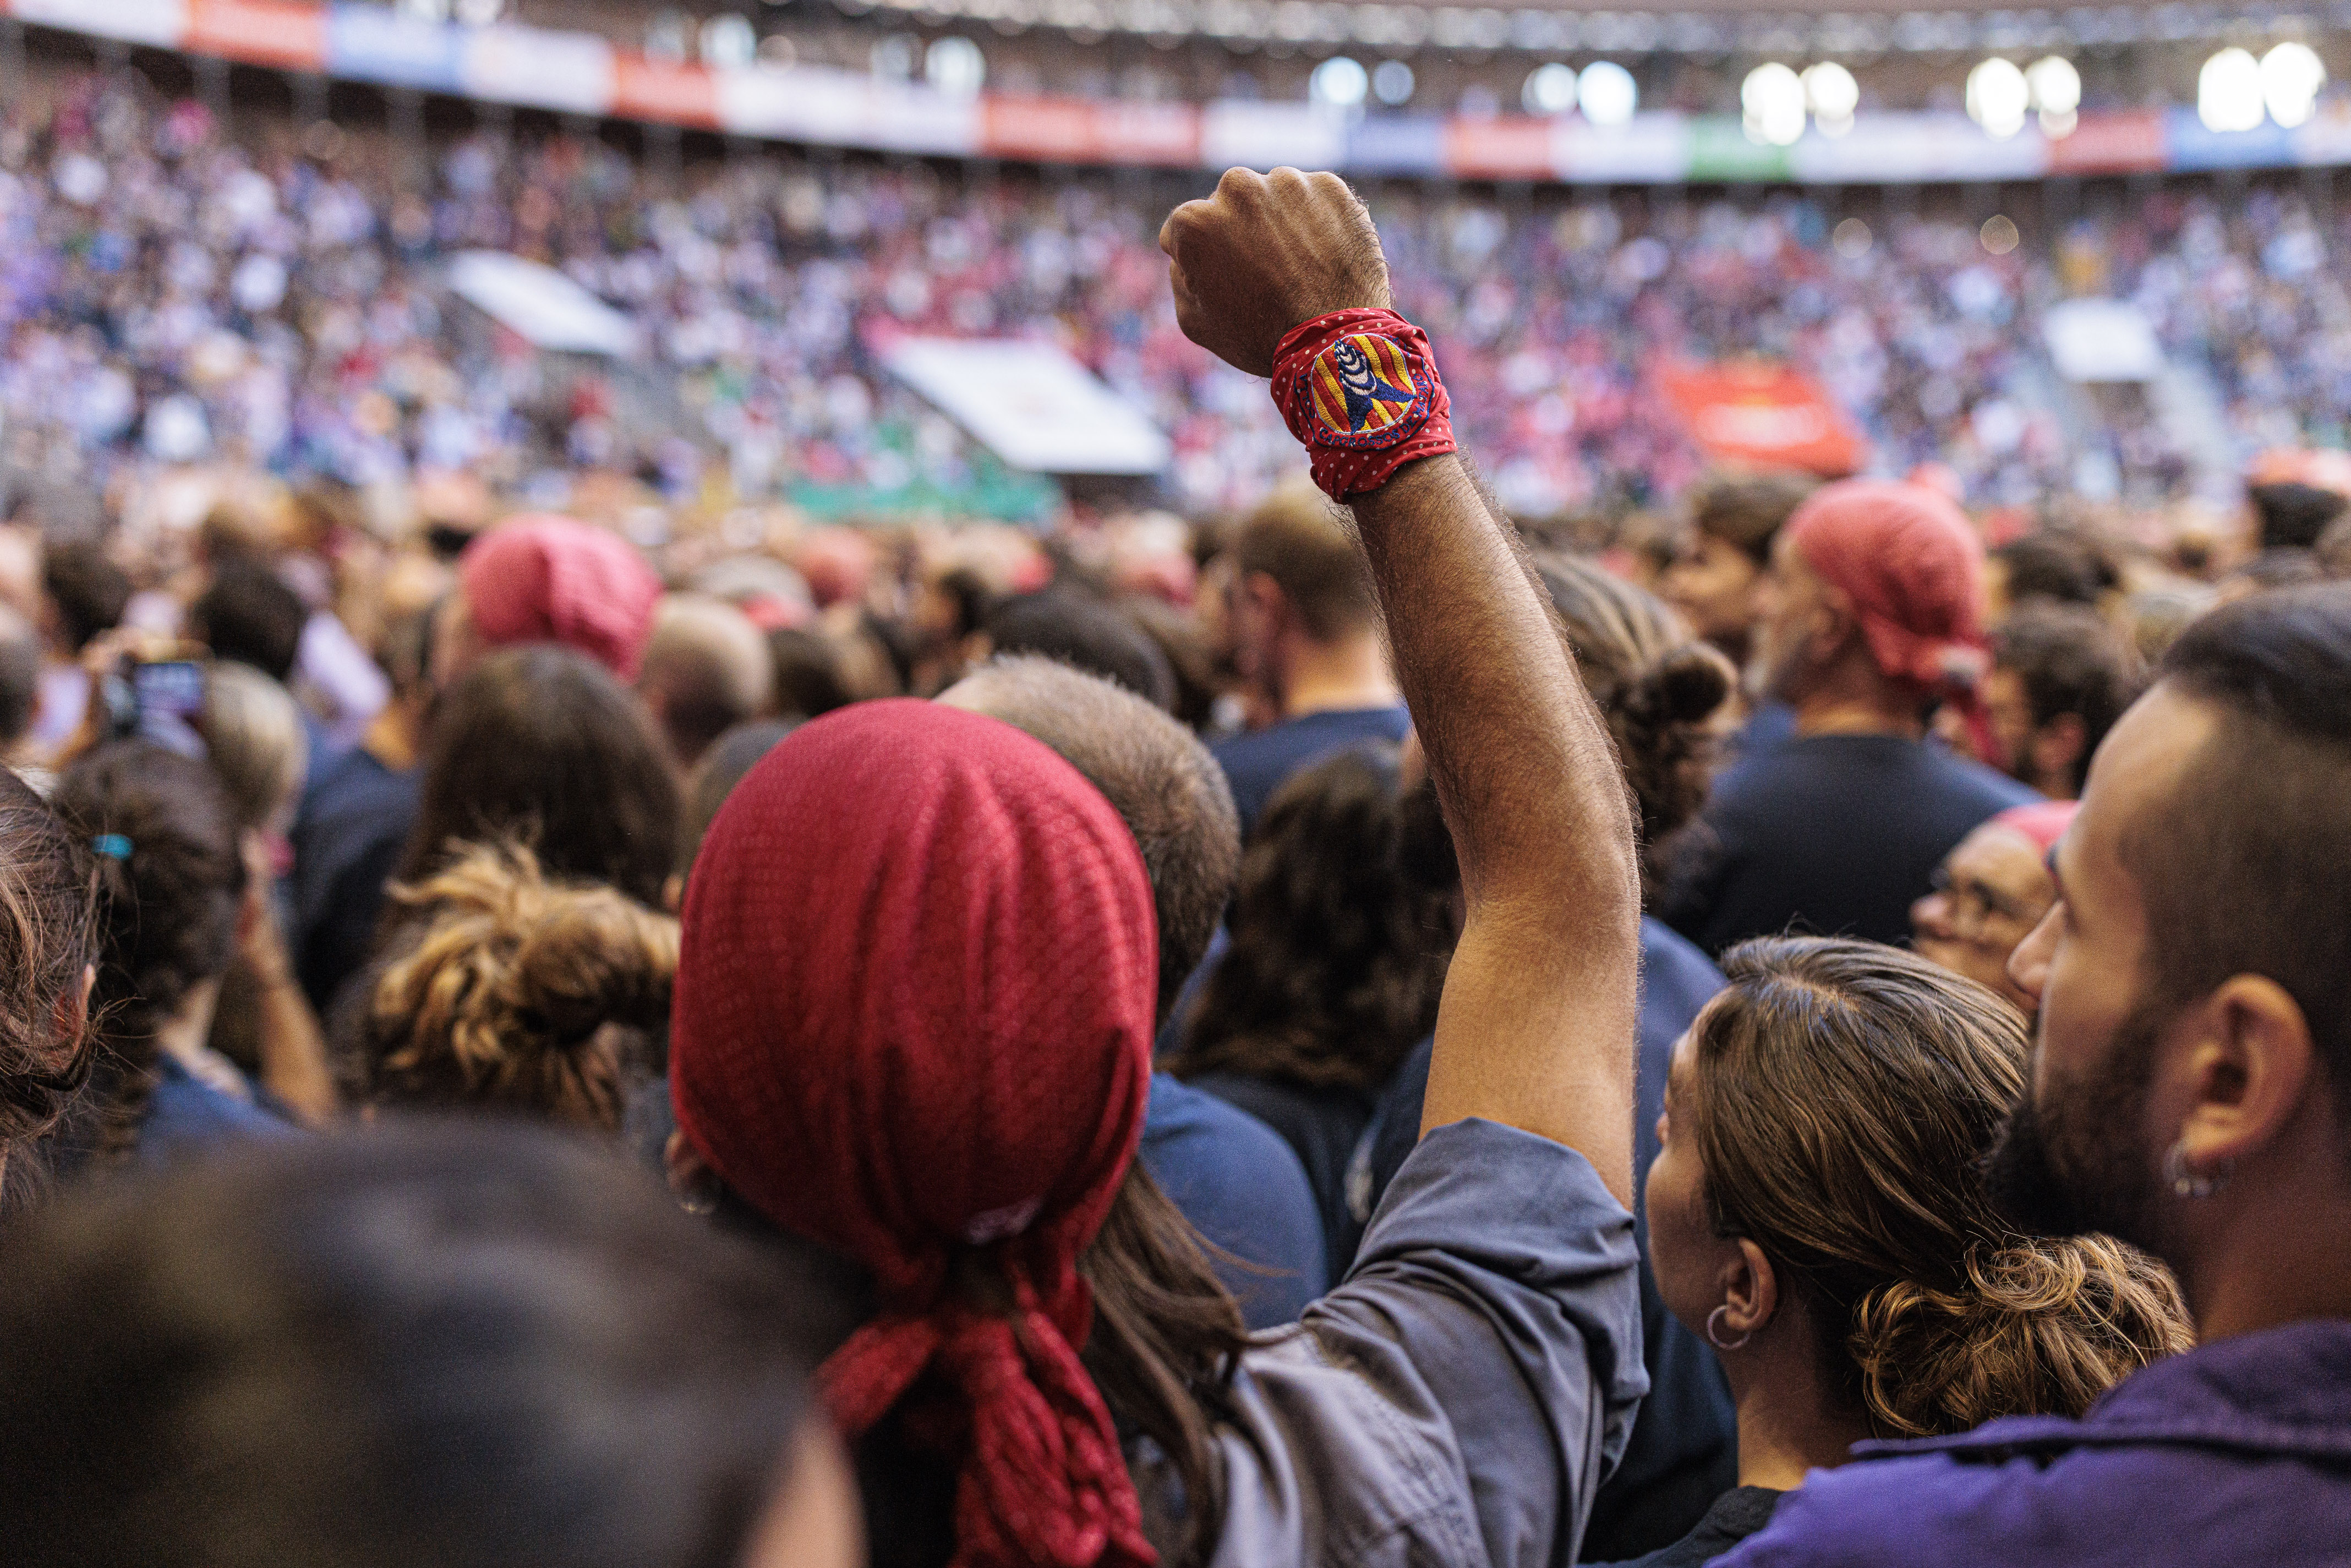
(1914,570)
(913,1022)
(552,580)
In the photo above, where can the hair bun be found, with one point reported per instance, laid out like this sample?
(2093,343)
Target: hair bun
(2038,1328)
(1687,685)
(514,987)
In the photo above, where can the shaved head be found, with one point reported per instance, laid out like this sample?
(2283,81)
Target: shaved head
(1154,773)
(708,669)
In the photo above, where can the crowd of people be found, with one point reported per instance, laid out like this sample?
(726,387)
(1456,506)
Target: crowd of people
(1367,1036)
(181,290)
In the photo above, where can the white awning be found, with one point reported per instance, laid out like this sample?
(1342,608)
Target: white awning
(1032,404)
(541,305)
(2101,340)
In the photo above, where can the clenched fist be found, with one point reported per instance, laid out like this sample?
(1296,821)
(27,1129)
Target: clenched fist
(1265,254)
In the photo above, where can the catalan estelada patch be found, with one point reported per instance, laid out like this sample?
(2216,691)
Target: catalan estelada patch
(1368,391)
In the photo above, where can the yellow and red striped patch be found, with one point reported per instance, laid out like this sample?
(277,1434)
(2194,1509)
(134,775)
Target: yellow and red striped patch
(1365,386)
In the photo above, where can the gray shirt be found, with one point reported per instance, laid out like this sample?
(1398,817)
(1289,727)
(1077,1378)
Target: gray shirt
(1458,1399)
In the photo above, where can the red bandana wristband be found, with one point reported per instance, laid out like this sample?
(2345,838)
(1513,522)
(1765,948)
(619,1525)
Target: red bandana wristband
(1359,388)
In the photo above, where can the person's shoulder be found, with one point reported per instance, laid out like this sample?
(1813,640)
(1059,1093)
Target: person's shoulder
(2081,1506)
(1990,785)
(1187,1122)
(187,1113)
(1928,1509)
(1671,961)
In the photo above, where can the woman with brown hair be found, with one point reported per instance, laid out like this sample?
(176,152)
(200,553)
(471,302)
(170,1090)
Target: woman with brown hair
(48,950)
(521,994)
(543,745)
(177,902)
(1818,1213)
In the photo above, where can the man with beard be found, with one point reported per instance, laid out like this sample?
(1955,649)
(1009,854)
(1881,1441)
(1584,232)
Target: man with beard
(1869,618)
(2191,1092)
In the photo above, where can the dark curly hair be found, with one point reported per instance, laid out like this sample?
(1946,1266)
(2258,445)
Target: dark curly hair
(170,881)
(1659,689)
(1342,929)
(48,937)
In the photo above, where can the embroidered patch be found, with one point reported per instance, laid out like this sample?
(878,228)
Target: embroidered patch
(1368,391)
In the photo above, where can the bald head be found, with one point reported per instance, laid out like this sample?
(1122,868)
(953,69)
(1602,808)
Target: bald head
(706,670)
(1154,773)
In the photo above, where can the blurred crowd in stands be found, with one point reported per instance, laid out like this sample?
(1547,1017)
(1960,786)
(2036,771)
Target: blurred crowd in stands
(277,299)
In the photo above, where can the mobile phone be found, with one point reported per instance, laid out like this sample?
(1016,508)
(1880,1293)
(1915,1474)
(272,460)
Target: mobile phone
(171,687)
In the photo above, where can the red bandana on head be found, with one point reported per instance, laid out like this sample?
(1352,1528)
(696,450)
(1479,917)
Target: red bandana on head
(913,1021)
(1914,570)
(552,580)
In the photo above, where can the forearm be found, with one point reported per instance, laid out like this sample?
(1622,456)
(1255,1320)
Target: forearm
(1535,1029)
(1520,757)
(293,1048)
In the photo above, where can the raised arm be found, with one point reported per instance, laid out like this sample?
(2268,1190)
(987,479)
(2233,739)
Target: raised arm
(1536,1024)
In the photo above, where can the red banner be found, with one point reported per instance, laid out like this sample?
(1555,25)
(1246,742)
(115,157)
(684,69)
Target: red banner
(1075,130)
(645,89)
(2127,141)
(259,32)
(1516,147)
(1765,414)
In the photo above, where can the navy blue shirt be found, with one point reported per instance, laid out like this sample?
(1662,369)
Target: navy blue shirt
(1684,1450)
(1833,834)
(1321,1128)
(1240,1186)
(1262,761)
(347,838)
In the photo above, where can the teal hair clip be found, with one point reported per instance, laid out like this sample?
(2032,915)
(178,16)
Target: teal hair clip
(113,846)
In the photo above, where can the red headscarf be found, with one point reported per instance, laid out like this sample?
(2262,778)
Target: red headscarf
(1914,570)
(913,1021)
(551,580)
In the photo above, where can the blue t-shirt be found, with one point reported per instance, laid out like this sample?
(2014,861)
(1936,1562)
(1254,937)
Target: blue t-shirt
(1834,834)
(1240,1186)
(187,1116)
(1262,761)
(348,840)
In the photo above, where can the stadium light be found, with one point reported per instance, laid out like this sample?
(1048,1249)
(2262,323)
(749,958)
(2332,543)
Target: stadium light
(1550,90)
(955,67)
(2229,91)
(1833,95)
(1339,83)
(1392,83)
(2054,85)
(1608,93)
(1771,105)
(2292,75)
(1998,96)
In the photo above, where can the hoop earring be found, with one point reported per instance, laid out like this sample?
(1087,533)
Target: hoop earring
(700,1201)
(2187,1184)
(1716,1340)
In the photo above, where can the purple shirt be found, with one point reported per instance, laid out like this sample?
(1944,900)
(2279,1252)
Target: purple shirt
(2236,1452)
